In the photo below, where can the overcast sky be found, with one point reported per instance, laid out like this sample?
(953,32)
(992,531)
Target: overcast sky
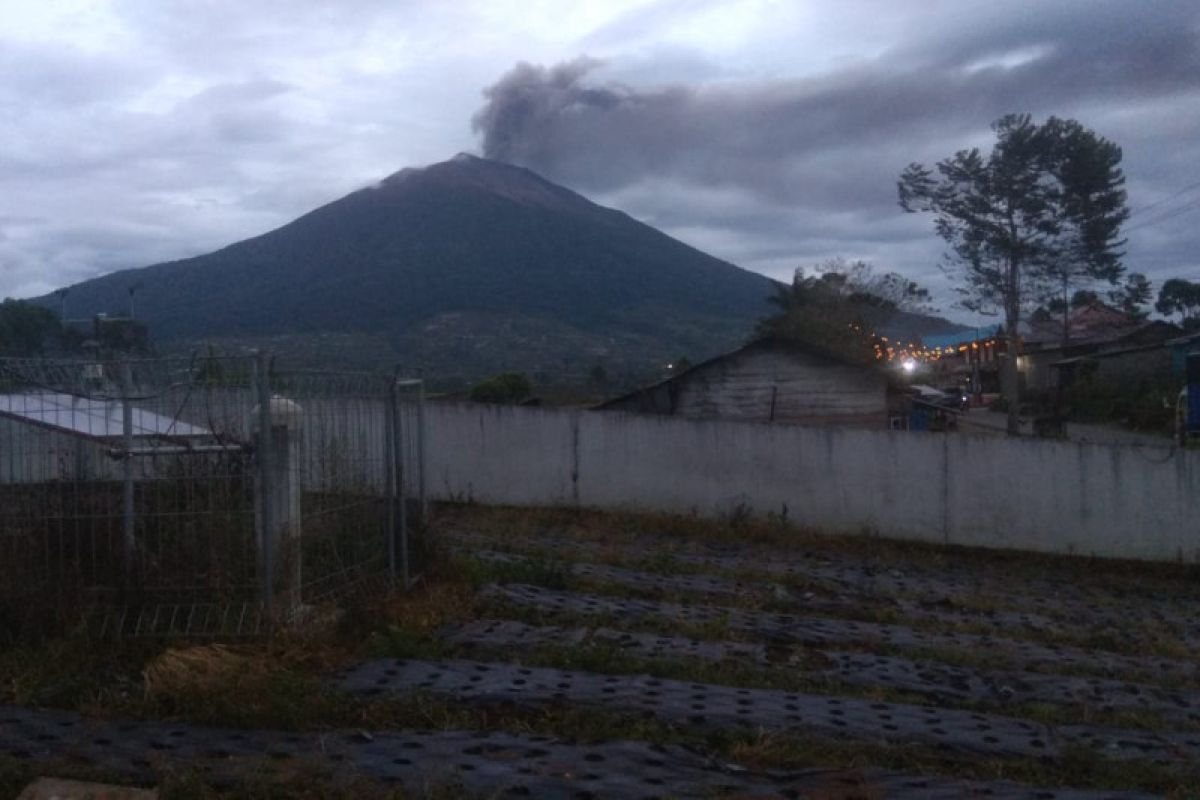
(766,132)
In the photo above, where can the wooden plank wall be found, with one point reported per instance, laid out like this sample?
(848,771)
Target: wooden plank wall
(786,386)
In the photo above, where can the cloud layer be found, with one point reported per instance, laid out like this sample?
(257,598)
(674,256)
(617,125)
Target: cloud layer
(768,132)
(810,164)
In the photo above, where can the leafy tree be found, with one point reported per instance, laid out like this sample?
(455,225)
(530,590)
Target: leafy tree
(1044,207)
(210,368)
(507,388)
(26,329)
(1134,295)
(1045,314)
(893,291)
(1088,200)
(860,283)
(1181,297)
(821,310)
(122,335)
(1082,298)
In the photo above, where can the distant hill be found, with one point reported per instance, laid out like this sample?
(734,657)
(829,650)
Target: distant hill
(908,326)
(462,268)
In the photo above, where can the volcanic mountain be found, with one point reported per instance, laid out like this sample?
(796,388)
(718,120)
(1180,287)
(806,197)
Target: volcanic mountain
(459,269)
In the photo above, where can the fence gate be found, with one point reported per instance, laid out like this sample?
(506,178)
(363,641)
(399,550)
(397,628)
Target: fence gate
(200,496)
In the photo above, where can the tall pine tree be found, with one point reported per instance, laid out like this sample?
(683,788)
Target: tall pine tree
(1043,208)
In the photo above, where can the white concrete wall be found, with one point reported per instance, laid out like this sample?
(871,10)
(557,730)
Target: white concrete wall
(501,454)
(1117,501)
(1120,501)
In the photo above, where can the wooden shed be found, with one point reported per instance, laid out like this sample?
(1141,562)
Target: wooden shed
(770,381)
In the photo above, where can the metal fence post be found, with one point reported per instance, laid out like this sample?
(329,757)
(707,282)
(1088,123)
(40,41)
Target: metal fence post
(128,543)
(421,449)
(262,485)
(392,490)
(398,449)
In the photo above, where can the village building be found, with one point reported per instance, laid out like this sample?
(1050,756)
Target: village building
(1114,342)
(774,381)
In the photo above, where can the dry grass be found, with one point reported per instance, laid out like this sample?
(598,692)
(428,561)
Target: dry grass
(197,669)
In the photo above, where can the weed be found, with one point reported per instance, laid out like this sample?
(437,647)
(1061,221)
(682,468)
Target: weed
(398,642)
(552,575)
(297,779)
(1130,578)
(74,672)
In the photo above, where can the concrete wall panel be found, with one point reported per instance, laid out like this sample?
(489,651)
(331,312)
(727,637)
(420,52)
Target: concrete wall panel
(1119,501)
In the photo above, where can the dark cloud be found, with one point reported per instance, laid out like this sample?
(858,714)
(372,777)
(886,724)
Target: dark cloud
(816,158)
(769,136)
(769,132)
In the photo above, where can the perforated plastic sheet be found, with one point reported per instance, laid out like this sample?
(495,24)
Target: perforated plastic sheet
(492,765)
(708,705)
(492,633)
(998,688)
(936,680)
(784,597)
(1035,602)
(788,628)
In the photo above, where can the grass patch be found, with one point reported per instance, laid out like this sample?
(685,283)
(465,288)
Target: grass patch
(521,569)
(295,779)
(1130,579)
(298,780)
(871,613)
(1151,639)
(76,672)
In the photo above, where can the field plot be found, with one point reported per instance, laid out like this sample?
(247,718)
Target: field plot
(578,656)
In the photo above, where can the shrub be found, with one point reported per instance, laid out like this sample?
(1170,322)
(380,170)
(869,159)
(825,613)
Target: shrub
(507,387)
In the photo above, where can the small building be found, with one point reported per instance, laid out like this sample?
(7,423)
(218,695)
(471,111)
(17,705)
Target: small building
(1097,333)
(1135,362)
(771,381)
(54,436)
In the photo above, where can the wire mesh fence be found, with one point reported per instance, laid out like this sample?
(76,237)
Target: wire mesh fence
(201,495)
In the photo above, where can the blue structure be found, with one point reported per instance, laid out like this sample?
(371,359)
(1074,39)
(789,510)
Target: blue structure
(1180,348)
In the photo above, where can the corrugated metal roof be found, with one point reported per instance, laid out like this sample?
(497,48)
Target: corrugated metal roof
(83,416)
